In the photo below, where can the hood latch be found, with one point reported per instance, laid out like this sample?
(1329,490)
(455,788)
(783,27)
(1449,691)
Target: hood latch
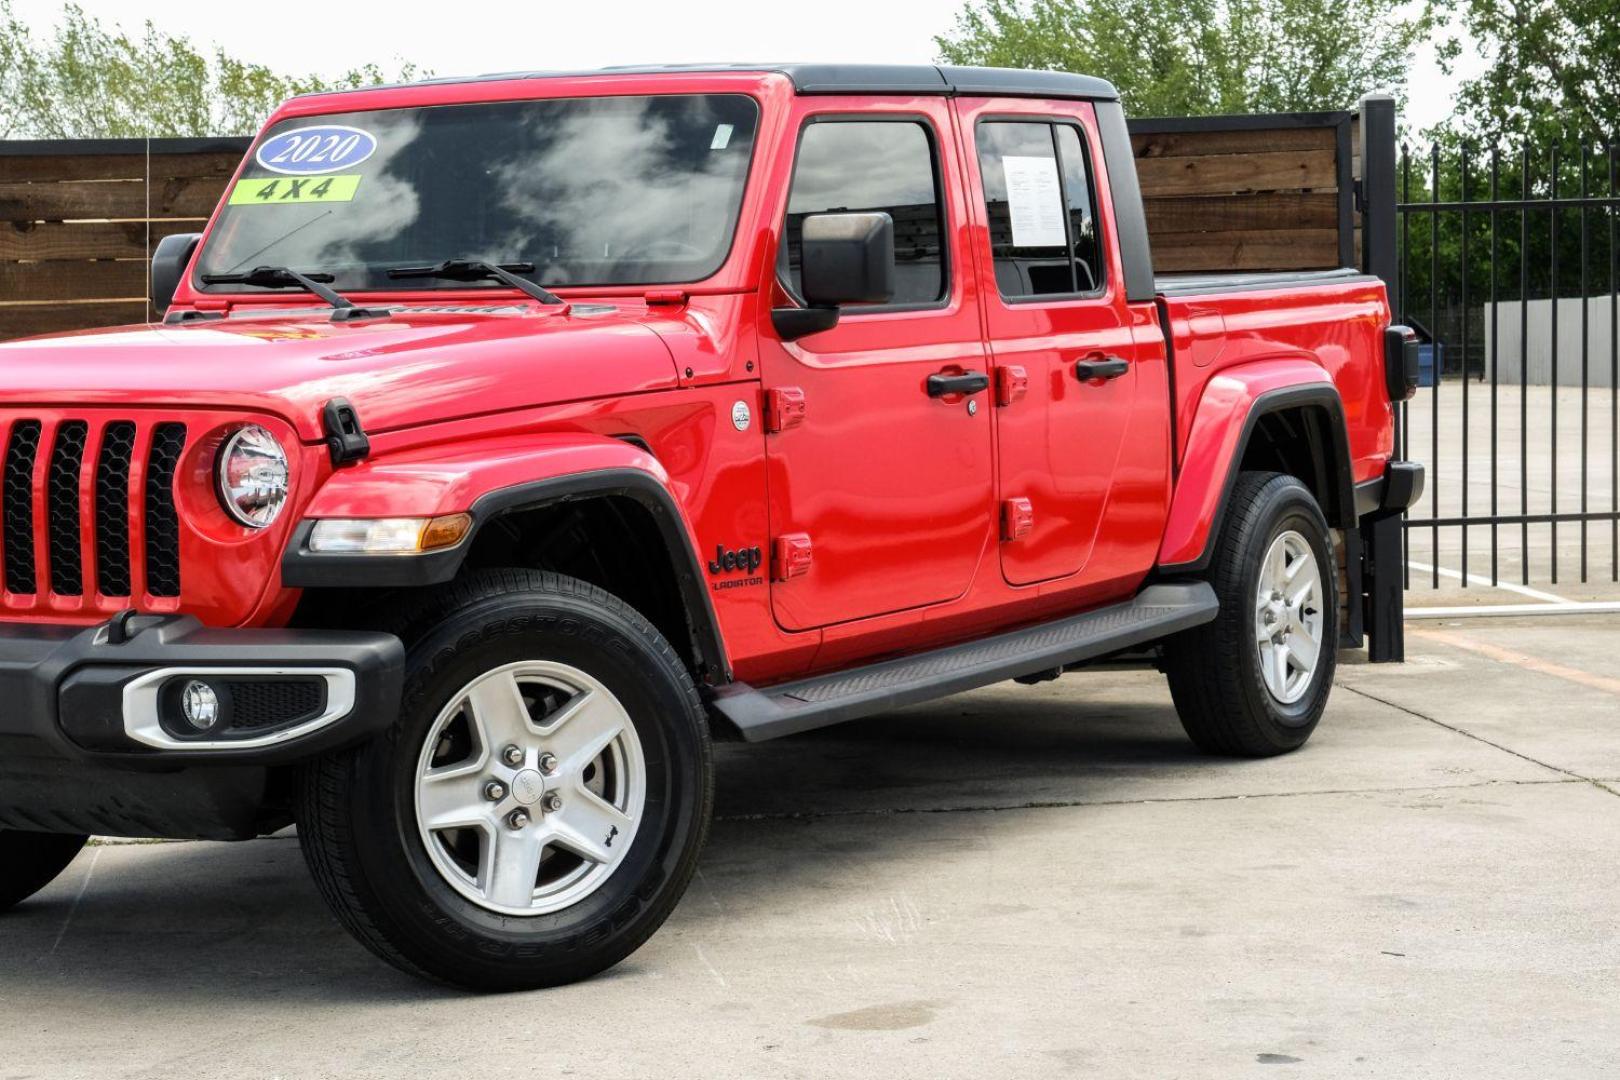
(345,438)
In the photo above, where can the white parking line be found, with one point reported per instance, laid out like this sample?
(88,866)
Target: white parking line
(89,872)
(1551,603)
(1477,611)
(1476,579)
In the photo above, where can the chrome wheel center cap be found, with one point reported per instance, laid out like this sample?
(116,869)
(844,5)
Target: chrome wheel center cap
(528,787)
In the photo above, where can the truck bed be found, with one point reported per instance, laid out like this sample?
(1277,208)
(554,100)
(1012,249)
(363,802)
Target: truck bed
(1325,319)
(1240,281)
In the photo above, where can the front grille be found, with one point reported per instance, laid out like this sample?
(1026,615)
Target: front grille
(62,501)
(18,493)
(112,507)
(117,451)
(162,520)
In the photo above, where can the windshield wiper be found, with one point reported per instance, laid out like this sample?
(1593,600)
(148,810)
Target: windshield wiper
(477,270)
(282,277)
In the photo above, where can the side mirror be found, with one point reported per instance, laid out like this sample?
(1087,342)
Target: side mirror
(846,259)
(169,264)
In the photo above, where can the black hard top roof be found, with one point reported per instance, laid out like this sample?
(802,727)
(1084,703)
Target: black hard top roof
(865,79)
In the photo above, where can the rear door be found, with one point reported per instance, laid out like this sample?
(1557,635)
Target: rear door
(1082,417)
(890,487)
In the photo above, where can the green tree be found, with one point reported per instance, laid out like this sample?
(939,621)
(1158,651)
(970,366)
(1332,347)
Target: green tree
(1197,57)
(1552,73)
(90,80)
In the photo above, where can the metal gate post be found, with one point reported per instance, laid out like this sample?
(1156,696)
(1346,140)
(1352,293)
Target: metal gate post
(1382,571)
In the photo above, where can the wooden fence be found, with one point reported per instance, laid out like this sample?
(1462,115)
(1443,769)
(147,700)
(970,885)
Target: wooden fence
(79,219)
(1272,192)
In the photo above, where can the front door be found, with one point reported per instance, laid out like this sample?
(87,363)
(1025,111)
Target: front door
(889,487)
(1081,430)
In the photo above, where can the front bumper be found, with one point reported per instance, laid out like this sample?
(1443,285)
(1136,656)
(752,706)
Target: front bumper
(109,694)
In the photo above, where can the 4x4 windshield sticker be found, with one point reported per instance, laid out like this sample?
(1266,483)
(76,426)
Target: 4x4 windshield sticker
(311,151)
(282,190)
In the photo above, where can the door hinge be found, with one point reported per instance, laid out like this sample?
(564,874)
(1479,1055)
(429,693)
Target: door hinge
(784,408)
(1011,384)
(790,556)
(1017,518)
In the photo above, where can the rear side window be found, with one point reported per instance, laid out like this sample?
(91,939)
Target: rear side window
(1040,207)
(891,166)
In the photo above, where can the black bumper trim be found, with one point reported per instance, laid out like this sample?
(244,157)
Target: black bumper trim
(1398,489)
(64,685)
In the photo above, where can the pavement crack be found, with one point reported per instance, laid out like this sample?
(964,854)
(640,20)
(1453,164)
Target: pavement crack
(1465,733)
(1065,804)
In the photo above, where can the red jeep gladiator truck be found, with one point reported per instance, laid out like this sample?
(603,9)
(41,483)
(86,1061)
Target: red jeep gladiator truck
(507,439)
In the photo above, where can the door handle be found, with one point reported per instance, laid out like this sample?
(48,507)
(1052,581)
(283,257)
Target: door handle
(1100,367)
(969,382)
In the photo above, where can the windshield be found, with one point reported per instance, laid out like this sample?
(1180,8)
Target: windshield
(591,191)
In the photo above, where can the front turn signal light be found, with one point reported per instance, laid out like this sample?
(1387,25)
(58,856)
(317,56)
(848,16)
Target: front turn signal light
(388,536)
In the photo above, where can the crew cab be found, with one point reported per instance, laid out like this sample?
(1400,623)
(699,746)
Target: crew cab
(508,439)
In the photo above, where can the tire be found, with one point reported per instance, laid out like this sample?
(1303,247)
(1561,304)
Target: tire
(29,861)
(461,904)
(1227,702)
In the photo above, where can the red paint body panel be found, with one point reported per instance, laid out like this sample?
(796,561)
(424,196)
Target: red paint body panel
(1212,447)
(1092,458)
(897,495)
(1231,348)
(875,456)
(411,369)
(433,480)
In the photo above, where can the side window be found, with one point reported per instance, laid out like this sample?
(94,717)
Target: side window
(1039,204)
(888,165)
(1082,205)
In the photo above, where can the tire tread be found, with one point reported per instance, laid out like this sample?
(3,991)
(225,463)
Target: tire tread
(1208,688)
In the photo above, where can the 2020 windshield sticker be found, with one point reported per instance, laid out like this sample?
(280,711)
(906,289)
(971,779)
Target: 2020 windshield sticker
(283,190)
(310,151)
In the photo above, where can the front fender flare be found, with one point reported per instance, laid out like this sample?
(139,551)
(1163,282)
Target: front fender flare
(488,480)
(1232,404)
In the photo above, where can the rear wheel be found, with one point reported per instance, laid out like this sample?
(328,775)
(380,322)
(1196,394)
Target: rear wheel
(538,809)
(1254,681)
(29,861)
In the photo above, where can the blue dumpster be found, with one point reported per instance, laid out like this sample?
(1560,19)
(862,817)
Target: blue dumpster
(1426,361)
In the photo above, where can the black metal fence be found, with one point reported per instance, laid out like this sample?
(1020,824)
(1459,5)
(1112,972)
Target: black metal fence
(1510,269)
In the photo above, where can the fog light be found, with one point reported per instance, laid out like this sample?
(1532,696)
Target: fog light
(200,705)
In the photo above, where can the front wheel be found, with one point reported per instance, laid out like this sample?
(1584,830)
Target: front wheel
(538,809)
(1254,681)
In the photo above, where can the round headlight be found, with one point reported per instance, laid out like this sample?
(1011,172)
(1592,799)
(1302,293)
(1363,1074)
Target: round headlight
(253,476)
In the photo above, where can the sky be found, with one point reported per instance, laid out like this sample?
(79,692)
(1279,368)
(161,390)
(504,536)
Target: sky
(498,35)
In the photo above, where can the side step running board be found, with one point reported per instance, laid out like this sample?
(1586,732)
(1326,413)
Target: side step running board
(789,708)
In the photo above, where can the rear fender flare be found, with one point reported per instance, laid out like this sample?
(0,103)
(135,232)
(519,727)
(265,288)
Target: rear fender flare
(488,481)
(1232,405)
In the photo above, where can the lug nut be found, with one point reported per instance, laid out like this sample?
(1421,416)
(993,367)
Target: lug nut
(517,819)
(512,755)
(548,763)
(494,792)
(552,802)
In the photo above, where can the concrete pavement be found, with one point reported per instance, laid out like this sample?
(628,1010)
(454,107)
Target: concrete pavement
(1022,881)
